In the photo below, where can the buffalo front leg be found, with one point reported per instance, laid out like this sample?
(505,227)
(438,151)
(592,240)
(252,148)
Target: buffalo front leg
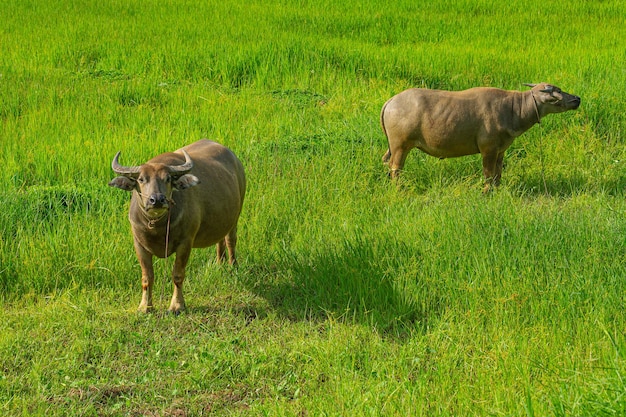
(178,276)
(499,163)
(147,278)
(490,162)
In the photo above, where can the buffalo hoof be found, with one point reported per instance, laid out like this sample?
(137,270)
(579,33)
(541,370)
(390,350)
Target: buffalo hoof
(145,309)
(175,313)
(176,308)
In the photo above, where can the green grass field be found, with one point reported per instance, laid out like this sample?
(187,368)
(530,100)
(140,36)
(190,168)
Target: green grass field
(354,296)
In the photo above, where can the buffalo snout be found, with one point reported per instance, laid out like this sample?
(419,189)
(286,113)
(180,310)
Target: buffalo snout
(157,200)
(574,102)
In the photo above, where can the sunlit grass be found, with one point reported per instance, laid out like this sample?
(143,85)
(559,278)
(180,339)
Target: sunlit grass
(354,296)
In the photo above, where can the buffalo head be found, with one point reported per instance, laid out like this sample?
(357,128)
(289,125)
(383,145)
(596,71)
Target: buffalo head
(551,99)
(154,182)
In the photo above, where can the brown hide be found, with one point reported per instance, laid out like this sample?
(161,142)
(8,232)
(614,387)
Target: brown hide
(193,209)
(448,124)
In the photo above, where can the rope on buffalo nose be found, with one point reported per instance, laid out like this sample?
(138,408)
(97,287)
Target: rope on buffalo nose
(541,161)
(171,202)
(536,108)
(152,221)
(167,241)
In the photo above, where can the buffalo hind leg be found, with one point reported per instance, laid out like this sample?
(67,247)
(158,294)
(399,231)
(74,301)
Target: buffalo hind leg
(228,243)
(386,157)
(397,159)
(231,242)
(220,248)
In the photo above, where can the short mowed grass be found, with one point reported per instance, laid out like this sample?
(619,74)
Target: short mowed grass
(354,296)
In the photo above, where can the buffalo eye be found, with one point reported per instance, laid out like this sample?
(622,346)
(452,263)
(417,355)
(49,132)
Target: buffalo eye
(141,180)
(556,97)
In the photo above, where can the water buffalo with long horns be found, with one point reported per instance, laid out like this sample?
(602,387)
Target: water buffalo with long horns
(190,198)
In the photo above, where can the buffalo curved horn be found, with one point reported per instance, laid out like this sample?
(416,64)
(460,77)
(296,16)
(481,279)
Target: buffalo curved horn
(530,85)
(184,168)
(549,89)
(122,170)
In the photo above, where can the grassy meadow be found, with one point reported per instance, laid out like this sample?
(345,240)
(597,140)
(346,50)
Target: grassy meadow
(354,296)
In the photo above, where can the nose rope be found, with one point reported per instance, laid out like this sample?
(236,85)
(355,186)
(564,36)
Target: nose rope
(153,221)
(167,241)
(536,108)
(152,224)
(543,172)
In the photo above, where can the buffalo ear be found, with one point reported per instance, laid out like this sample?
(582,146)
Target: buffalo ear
(185,181)
(124,183)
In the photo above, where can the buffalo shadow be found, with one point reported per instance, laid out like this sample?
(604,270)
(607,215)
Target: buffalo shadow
(353,281)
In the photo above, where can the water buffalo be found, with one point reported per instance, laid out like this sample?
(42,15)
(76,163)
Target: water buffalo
(448,124)
(186,199)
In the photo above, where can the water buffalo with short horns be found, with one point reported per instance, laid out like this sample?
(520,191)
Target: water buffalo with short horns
(447,124)
(181,200)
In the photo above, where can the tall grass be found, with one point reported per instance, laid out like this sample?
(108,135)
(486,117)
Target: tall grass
(354,296)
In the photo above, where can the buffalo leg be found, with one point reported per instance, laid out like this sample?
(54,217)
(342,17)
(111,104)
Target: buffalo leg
(231,242)
(490,160)
(220,248)
(387,156)
(498,175)
(147,278)
(396,161)
(178,276)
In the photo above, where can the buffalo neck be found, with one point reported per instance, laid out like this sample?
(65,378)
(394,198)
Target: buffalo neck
(525,113)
